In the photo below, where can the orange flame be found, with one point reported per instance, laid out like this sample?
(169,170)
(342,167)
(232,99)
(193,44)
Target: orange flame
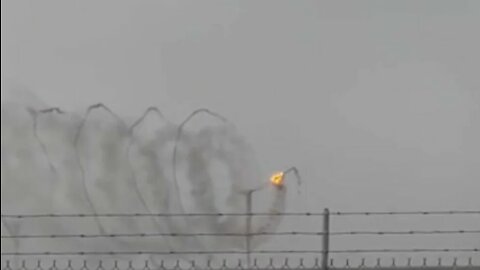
(277,179)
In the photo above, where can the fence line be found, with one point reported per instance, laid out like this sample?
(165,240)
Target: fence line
(323,252)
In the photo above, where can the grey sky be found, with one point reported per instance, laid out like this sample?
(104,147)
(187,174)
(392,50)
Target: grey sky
(376,102)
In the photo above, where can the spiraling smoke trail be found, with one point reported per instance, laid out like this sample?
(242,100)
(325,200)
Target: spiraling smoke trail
(175,151)
(35,115)
(131,132)
(228,156)
(79,129)
(151,109)
(141,163)
(277,206)
(82,170)
(177,139)
(136,123)
(57,111)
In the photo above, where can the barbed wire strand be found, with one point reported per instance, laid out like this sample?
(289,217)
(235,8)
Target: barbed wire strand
(289,233)
(100,253)
(84,215)
(450,212)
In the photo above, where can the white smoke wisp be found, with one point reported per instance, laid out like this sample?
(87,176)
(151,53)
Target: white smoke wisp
(54,161)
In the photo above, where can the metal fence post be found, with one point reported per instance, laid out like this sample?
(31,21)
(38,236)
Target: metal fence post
(248,234)
(326,232)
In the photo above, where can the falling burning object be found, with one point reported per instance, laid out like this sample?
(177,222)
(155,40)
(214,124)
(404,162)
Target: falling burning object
(277,179)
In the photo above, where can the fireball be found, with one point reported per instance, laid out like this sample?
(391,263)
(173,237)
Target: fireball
(277,179)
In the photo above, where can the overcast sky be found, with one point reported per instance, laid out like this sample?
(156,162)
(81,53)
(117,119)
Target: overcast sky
(376,102)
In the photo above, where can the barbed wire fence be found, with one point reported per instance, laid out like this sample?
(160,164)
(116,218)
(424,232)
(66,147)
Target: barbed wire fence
(59,260)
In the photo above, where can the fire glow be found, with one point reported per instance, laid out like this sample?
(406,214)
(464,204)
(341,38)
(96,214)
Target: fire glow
(277,179)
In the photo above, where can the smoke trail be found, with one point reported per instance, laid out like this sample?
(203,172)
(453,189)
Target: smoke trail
(265,224)
(177,139)
(102,165)
(35,115)
(223,144)
(82,169)
(25,170)
(199,173)
(132,140)
(144,163)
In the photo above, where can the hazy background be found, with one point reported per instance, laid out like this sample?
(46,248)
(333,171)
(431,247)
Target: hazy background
(376,102)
